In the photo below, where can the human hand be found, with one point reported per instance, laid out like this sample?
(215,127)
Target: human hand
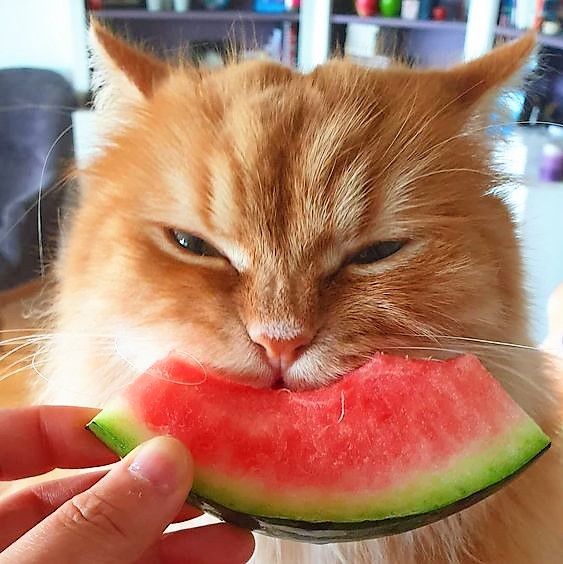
(115,516)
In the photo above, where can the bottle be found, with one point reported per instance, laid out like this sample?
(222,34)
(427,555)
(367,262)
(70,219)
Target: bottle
(390,8)
(425,10)
(292,5)
(366,8)
(155,5)
(182,5)
(410,9)
(506,17)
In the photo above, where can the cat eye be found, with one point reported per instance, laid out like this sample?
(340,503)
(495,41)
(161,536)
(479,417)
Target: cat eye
(377,252)
(194,244)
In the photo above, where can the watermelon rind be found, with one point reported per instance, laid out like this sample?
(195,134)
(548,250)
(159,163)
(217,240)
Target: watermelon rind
(320,516)
(117,427)
(330,531)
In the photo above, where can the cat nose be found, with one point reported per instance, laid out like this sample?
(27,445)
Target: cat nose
(282,352)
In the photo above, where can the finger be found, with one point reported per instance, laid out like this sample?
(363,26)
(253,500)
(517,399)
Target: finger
(35,440)
(212,544)
(119,517)
(23,510)
(186,513)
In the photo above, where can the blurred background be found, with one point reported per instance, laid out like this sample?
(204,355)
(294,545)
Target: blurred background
(46,120)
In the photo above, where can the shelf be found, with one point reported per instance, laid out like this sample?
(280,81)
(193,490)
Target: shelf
(555,41)
(398,22)
(247,16)
(199,16)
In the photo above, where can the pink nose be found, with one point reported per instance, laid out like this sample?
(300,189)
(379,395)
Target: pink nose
(282,352)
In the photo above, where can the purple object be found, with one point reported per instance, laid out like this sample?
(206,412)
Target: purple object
(551,168)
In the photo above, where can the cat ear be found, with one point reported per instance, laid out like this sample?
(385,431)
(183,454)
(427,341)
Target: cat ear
(478,79)
(122,73)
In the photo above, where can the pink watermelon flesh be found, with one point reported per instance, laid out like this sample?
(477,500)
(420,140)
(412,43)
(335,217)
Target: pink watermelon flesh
(391,446)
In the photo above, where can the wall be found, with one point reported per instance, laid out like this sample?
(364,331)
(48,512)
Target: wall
(48,34)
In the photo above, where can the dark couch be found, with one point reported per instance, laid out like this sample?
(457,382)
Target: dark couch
(35,111)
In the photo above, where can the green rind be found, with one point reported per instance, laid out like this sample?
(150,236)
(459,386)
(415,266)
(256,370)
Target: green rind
(428,492)
(331,532)
(120,430)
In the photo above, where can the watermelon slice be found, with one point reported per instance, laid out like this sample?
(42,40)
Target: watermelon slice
(392,446)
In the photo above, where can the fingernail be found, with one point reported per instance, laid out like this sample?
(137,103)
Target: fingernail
(162,461)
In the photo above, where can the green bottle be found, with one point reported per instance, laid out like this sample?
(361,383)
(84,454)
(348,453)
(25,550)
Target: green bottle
(390,8)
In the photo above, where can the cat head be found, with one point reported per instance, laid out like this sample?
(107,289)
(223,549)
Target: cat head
(283,226)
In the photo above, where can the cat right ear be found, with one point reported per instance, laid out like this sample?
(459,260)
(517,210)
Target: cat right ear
(122,74)
(483,78)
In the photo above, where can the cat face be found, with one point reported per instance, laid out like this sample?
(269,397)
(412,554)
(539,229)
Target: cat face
(284,227)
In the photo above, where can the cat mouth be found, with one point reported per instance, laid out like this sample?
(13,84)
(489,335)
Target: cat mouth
(279,384)
(312,371)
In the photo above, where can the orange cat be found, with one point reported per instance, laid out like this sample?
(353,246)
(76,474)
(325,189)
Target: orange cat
(285,227)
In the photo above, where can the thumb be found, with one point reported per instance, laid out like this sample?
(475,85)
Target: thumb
(118,518)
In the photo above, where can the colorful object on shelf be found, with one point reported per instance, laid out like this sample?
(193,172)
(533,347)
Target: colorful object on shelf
(366,8)
(551,167)
(270,6)
(507,13)
(410,9)
(454,9)
(525,14)
(390,8)
(215,4)
(550,28)
(439,13)
(392,446)
(289,44)
(115,4)
(182,5)
(156,5)
(425,10)
(292,5)
(548,17)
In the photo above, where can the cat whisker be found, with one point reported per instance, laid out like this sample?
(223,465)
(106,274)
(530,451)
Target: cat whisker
(31,366)
(120,354)
(39,199)
(488,342)
(443,171)
(19,360)
(20,330)
(481,129)
(18,340)
(521,379)
(428,119)
(418,348)
(56,186)
(16,349)
(54,108)
(38,337)
(398,134)
(34,366)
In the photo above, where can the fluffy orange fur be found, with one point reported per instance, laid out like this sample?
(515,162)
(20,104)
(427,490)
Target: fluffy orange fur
(288,175)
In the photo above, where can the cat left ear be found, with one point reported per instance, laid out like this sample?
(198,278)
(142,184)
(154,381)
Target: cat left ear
(487,75)
(127,72)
